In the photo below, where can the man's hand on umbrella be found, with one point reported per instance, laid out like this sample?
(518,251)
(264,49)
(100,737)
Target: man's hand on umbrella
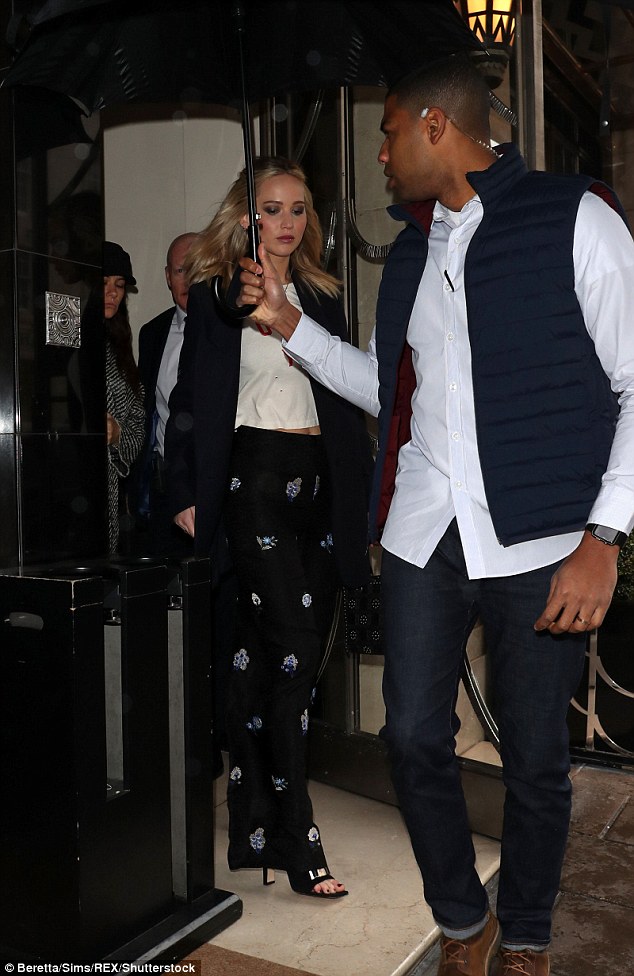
(262,286)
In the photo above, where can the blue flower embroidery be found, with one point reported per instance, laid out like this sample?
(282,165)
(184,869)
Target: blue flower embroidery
(293,489)
(316,488)
(304,721)
(240,660)
(234,484)
(257,839)
(236,774)
(279,783)
(254,724)
(267,541)
(313,695)
(313,837)
(307,600)
(327,542)
(290,664)
(256,599)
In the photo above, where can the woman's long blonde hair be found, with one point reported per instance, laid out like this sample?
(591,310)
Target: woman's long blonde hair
(222,243)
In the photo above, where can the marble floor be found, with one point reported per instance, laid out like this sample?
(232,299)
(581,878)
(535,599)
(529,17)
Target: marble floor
(381,929)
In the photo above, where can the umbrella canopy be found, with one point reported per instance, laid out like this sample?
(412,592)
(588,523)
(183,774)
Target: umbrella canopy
(106,52)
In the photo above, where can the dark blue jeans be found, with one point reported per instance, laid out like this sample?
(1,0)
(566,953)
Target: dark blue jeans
(429,614)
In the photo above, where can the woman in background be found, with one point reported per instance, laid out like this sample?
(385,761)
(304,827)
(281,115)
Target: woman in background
(125,415)
(255,449)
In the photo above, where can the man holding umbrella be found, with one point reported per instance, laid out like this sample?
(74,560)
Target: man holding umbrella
(502,372)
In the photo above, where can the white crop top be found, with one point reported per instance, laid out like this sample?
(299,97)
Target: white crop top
(274,391)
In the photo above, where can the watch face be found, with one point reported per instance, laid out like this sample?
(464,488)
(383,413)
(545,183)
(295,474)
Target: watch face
(608,535)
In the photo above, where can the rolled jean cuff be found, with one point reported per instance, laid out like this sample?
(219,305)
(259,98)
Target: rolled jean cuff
(464,933)
(523,946)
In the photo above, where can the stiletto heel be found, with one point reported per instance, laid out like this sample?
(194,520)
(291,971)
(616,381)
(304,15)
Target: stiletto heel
(303,883)
(268,876)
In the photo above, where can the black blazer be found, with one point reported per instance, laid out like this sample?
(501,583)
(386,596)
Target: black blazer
(152,339)
(199,435)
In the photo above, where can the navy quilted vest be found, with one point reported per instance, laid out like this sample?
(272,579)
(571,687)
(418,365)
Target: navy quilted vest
(545,414)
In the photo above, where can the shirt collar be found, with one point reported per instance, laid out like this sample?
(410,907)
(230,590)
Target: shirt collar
(452,217)
(178,322)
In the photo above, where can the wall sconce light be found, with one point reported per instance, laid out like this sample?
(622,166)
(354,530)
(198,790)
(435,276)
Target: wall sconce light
(493,23)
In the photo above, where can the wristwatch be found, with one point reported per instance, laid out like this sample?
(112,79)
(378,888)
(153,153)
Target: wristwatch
(611,537)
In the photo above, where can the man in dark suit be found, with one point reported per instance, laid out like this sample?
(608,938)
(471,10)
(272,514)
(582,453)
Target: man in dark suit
(160,342)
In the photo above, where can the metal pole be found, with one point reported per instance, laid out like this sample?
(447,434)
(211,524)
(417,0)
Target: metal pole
(346,257)
(238,13)
(530,83)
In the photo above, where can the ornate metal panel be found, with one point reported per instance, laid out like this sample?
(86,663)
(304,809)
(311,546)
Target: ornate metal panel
(63,317)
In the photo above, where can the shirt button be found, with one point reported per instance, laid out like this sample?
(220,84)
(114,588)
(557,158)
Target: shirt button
(458,484)
(450,337)
(453,387)
(455,436)
(447,286)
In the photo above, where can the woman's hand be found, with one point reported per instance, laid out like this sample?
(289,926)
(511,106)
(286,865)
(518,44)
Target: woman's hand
(113,431)
(186,520)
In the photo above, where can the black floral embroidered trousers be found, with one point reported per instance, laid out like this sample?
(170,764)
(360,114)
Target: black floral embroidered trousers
(278,529)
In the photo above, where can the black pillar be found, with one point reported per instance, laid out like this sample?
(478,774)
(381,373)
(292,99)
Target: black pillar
(52,442)
(90,864)
(106,852)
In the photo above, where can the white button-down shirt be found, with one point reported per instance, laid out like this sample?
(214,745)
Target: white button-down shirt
(439,475)
(168,373)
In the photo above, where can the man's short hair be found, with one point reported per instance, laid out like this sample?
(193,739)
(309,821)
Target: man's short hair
(454,85)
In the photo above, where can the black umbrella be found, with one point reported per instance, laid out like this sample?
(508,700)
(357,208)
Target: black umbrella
(107,52)
(104,52)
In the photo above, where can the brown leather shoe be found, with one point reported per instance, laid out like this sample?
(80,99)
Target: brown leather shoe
(470,957)
(524,962)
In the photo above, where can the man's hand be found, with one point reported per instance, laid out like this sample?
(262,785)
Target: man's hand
(581,589)
(262,286)
(187,520)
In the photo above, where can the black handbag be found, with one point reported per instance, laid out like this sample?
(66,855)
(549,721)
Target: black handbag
(362,618)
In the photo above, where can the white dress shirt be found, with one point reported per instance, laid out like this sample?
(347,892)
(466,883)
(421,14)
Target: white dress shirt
(439,475)
(168,373)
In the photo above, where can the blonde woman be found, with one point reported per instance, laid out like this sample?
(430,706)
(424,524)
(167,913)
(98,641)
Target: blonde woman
(257,451)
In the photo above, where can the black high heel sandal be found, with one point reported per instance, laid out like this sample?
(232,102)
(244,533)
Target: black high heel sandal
(303,882)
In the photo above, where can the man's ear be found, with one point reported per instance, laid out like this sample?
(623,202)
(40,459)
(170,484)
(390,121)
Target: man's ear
(436,121)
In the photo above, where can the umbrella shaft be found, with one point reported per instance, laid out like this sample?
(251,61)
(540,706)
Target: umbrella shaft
(246,137)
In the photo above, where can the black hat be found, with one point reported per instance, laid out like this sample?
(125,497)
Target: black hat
(116,261)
